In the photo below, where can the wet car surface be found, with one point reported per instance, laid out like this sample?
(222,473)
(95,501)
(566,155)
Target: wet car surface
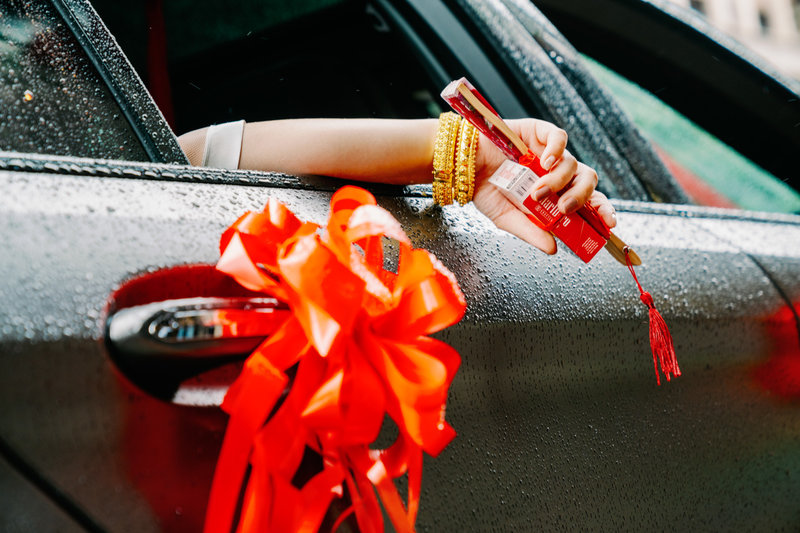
(560,423)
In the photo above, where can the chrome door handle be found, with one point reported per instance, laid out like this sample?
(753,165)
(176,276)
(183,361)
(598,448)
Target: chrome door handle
(159,345)
(193,327)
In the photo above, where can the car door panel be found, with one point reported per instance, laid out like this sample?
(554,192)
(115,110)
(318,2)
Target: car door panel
(556,379)
(74,240)
(567,407)
(776,252)
(32,510)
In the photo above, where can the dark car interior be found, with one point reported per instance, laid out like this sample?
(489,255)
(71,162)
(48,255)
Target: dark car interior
(336,60)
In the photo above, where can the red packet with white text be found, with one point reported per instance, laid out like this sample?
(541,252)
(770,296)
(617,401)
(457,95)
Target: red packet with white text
(516,182)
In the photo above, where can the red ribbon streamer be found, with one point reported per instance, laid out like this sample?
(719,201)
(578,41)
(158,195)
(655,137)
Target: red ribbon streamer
(358,336)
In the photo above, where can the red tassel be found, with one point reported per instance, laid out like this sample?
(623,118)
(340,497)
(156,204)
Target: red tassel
(660,338)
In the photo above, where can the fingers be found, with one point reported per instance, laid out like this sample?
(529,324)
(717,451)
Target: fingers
(566,172)
(491,202)
(579,190)
(554,141)
(600,202)
(575,181)
(548,141)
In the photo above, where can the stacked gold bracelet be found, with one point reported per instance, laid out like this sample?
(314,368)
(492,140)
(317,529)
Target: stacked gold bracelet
(444,158)
(465,162)
(454,160)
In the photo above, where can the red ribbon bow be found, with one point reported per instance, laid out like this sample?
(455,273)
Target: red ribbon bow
(357,334)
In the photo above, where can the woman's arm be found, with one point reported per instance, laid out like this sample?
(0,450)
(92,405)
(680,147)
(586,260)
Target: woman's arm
(378,150)
(401,152)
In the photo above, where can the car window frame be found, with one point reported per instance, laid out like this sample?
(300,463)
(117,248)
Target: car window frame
(125,85)
(441,52)
(622,132)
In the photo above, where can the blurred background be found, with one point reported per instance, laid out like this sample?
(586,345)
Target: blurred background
(771,28)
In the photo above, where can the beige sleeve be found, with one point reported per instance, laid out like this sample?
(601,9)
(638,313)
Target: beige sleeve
(223,146)
(218,146)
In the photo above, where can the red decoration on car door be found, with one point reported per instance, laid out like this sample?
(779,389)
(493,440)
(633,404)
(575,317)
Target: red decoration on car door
(357,335)
(660,338)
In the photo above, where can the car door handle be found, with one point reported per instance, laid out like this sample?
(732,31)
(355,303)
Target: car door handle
(194,327)
(158,346)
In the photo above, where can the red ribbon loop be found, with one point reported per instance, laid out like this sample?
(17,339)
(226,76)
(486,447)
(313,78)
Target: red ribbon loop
(357,334)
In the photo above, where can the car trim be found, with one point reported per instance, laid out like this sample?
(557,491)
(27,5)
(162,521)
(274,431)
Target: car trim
(632,145)
(530,68)
(705,76)
(460,45)
(47,488)
(136,104)
(104,168)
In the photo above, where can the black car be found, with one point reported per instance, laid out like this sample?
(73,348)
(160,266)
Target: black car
(560,423)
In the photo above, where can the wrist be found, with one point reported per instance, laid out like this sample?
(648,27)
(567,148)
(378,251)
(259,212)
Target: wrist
(487,159)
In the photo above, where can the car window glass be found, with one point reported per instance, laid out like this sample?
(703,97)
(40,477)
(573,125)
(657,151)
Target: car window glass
(711,172)
(52,99)
(208,23)
(277,59)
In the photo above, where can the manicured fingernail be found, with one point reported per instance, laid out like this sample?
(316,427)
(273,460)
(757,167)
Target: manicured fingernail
(542,193)
(547,163)
(607,211)
(570,206)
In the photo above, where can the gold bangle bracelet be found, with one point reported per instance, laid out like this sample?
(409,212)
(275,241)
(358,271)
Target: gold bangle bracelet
(444,158)
(465,162)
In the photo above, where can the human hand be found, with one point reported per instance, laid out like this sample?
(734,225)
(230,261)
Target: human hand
(573,179)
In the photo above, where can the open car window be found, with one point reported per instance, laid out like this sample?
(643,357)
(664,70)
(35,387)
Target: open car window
(711,172)
(273,59)
(52,99)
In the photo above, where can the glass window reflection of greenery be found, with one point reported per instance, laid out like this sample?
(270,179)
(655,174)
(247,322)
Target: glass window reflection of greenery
(721,167)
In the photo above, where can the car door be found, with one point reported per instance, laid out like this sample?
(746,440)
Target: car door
(591,485)
(559,419)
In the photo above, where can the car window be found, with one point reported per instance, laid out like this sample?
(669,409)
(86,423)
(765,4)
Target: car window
(711,172)
(52,99)
(277,59)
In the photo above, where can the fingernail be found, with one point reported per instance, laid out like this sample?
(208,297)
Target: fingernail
(542,193)
(547,163)
(570,206)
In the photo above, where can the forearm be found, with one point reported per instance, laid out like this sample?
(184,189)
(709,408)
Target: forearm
(378,150)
